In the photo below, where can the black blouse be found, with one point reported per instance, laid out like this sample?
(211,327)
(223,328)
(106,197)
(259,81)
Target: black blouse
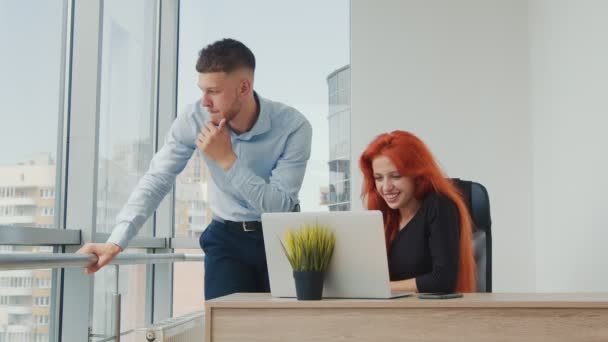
(427,248)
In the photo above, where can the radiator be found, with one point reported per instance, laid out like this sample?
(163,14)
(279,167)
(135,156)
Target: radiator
(186,328)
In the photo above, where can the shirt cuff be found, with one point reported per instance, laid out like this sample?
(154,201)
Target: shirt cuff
(122,234)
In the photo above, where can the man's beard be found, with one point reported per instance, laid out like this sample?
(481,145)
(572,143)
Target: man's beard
(234,110)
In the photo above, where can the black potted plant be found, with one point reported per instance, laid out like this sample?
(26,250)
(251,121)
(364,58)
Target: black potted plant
(309,250)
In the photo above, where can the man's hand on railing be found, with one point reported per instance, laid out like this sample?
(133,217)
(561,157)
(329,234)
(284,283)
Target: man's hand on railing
(105,253)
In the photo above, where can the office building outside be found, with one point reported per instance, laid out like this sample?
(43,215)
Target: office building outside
(339,139)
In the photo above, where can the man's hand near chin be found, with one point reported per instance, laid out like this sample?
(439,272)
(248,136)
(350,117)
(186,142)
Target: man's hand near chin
(215,143)
(105,253)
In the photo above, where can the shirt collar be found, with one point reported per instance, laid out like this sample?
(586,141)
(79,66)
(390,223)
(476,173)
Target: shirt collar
(262,123)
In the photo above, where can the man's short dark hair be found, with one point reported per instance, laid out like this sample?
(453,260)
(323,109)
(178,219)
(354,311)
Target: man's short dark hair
(225,55)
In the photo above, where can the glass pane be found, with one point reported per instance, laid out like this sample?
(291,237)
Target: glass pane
(343,134)
(192,213)
(31,86)
(132,288)
(344,80)
(127,109)
(31,65)
(332,84)
(25,300)
(313,56)
(188,285)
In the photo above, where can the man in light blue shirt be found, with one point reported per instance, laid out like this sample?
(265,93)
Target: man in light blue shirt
(256,151)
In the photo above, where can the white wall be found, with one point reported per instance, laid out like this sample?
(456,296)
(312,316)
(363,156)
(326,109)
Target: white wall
(456,74)
(569,107)
(512,94)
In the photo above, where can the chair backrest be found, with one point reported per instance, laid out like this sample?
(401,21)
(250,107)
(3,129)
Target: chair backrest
(477,200)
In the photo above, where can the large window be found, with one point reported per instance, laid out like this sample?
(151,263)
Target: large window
(31,107)
(127,105)
(188,285)
(298,46)
(126,135)
(131,282)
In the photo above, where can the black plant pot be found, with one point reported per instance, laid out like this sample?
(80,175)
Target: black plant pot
(309,284)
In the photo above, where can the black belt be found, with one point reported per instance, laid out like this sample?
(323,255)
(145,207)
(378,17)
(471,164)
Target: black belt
(244,226)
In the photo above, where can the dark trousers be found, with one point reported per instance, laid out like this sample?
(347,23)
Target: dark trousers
(235,260)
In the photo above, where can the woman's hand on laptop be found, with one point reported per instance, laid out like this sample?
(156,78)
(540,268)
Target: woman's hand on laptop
(407,285)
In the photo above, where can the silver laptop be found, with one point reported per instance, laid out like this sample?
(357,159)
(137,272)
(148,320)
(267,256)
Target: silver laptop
(359,266)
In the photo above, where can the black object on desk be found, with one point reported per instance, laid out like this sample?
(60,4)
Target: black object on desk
(439,295)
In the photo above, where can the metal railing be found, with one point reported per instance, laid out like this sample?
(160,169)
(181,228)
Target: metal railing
(22,261)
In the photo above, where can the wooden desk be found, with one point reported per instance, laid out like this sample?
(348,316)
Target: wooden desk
(476,317)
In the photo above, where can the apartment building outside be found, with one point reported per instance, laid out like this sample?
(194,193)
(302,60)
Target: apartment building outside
(27,199)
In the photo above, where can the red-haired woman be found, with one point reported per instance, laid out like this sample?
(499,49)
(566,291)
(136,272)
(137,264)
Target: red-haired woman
(427,226)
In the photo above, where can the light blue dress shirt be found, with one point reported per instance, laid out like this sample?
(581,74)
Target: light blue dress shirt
(266,177)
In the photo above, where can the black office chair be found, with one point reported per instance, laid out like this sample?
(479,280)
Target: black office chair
(477,200)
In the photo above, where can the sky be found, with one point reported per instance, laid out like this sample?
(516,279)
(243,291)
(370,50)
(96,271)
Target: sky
(30,36)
